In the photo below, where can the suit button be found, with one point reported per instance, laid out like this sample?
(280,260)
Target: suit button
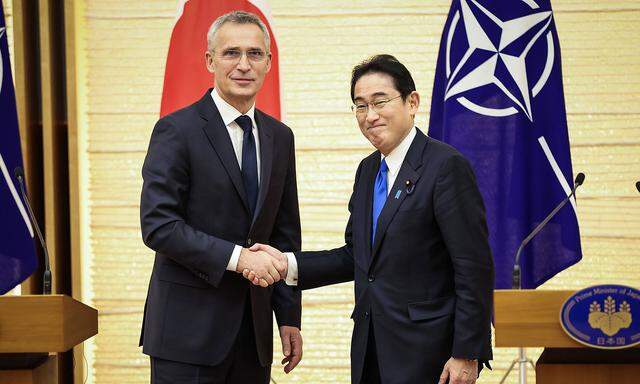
(366,314)
(249,242)
(371,278)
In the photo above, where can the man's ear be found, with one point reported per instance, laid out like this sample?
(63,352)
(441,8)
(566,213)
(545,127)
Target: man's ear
(414,102)
(268,62)
(208,58)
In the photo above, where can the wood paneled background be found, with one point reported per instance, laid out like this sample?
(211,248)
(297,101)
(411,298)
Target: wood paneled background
(122,47)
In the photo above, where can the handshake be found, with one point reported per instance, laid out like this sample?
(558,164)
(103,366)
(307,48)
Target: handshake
(262,264)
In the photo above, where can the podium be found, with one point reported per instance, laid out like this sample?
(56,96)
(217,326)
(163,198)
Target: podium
(35,327)
(531,318)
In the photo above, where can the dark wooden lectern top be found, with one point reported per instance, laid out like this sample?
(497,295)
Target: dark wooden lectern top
(39,323)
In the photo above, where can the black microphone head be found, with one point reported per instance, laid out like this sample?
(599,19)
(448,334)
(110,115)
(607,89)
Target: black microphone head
(18,173)
(579,179)
(638,185)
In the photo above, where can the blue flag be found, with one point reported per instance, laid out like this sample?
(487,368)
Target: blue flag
(498,99)
(17,253)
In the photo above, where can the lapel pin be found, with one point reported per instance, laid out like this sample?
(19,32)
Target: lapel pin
(410,186)
(398,194)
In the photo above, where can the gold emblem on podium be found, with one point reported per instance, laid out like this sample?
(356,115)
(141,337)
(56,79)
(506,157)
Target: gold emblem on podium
(610,321)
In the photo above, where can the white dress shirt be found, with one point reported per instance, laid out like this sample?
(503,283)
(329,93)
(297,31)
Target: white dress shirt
(394,162)
(229,114)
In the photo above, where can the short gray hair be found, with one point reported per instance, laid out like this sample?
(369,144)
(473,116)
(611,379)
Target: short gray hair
(238,17)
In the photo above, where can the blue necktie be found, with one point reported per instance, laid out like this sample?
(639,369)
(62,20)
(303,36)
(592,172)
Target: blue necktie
(379,196)
(249,162)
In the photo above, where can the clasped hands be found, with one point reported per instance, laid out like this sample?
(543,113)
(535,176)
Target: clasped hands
(262,264)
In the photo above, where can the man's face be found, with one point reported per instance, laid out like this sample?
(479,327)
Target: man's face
(385,125)
(239,73)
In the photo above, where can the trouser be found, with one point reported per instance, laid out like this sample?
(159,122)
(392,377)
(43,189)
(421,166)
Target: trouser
(371,370)
(241,366)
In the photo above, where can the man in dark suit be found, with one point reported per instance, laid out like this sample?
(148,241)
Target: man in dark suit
(416,246)
(219,176)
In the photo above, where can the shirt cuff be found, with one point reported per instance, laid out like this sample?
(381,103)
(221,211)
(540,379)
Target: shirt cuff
(233,261)
(292,269)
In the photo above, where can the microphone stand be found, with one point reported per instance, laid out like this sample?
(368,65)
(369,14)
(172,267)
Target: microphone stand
(46,278)
(522,359)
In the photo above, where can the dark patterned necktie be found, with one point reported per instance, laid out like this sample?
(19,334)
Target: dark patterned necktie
(249,161)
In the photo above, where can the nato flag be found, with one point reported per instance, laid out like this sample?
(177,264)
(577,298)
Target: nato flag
(17,252)
(497,98)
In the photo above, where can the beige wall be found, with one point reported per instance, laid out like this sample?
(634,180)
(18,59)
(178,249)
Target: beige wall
(123,49)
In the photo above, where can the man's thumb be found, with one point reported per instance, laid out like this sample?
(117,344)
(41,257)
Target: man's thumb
(286,346)
(444,375)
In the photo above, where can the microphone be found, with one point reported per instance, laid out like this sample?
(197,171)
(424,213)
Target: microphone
(516,268)
(46,278)
(638,185)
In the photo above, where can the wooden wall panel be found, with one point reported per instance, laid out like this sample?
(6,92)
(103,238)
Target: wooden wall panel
(39,46)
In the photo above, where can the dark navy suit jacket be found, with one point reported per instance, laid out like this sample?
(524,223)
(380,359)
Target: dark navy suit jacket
(426,284)
(193,211)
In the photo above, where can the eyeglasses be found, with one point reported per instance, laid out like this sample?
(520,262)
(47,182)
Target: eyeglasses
(361,109)
(235,55)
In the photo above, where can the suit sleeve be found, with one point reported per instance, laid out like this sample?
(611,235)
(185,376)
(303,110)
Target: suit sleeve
(286,301)
(163,202)
(460,215)
(320,268)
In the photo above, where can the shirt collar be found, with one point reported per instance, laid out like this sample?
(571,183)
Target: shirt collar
(396,157)
(228,112)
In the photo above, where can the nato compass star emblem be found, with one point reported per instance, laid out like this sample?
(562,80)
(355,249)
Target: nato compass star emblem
(497,54)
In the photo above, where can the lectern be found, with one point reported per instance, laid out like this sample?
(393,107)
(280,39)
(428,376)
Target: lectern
(35,327)
(531,318)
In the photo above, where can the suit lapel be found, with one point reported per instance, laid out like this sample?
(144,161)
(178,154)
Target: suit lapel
(265,132)
(219,138)
(409,171)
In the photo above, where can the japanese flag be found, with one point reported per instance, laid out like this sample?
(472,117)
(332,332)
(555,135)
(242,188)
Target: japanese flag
(186,77)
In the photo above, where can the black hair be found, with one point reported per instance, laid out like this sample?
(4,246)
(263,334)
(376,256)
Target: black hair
(388,65)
